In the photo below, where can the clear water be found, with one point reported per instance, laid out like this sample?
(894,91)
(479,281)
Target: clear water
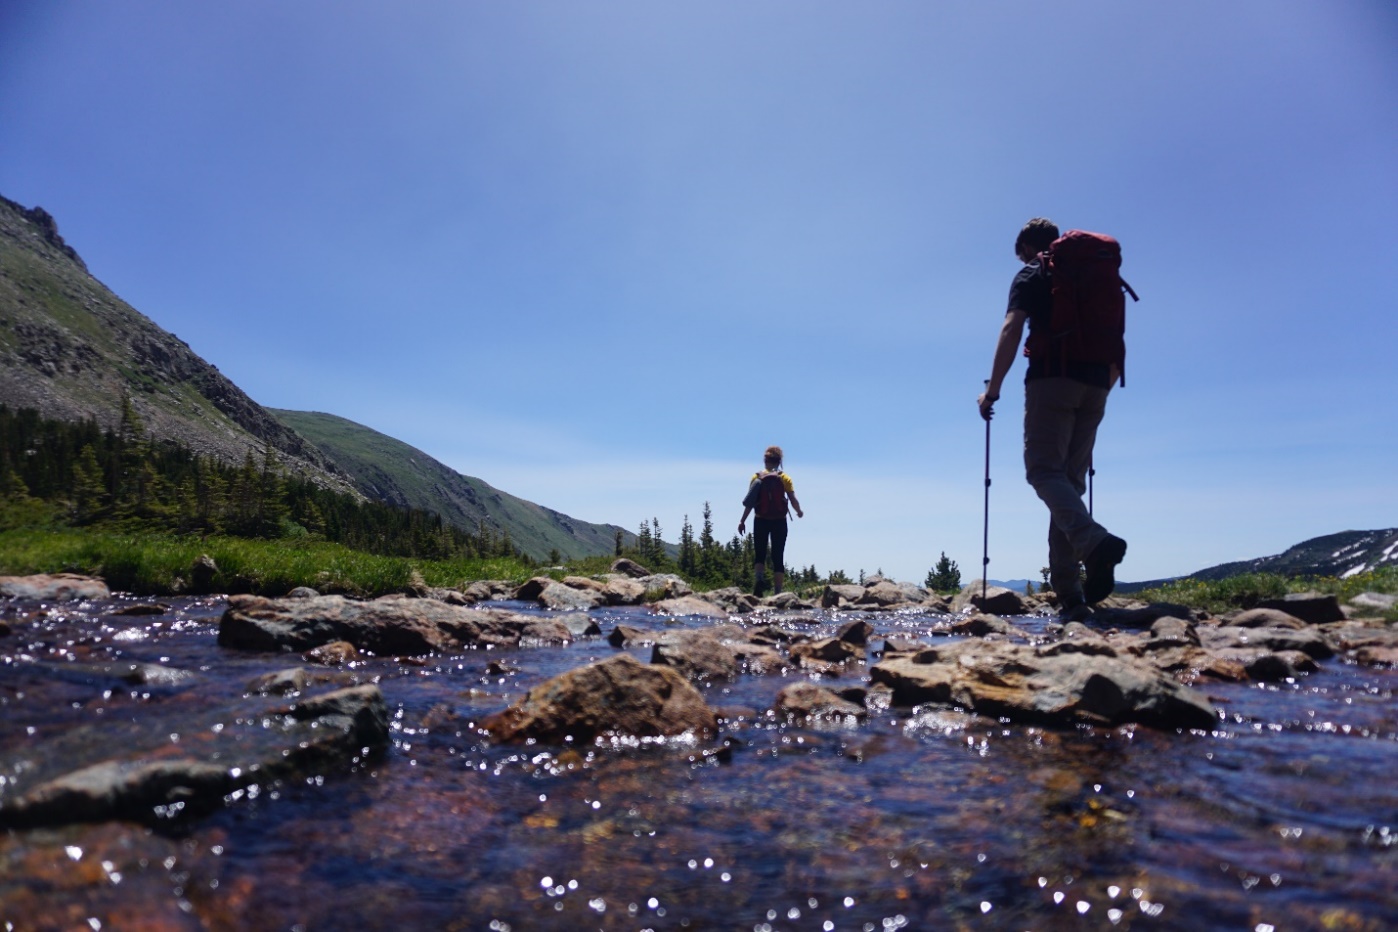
(1283,818)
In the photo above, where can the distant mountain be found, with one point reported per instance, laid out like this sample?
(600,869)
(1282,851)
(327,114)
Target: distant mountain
(1344,554)
(389,470)
(73,350)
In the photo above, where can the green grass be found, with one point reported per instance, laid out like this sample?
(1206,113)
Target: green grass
(1248,589)
(155,564)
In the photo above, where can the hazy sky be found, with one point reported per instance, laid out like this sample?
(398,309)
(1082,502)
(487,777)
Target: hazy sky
(602,254)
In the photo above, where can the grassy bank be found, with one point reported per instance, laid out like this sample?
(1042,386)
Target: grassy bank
(1248,589)
(157,564)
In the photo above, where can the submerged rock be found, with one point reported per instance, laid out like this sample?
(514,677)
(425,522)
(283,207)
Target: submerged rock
(163,769)
(617,697)
(1030,684)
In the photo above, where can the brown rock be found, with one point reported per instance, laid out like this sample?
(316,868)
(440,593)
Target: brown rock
(56,587)
(617,697)
(630,568)
(619,590)
(1265,618)
(697,655)
(1027,684)
(334,654)
(805,701)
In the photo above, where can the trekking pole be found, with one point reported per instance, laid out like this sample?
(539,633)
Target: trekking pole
(985,539)
(1091,471)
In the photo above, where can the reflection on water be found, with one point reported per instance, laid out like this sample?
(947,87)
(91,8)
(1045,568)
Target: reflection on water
(919,818)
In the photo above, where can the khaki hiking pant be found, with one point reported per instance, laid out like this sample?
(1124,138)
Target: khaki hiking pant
(1060,428)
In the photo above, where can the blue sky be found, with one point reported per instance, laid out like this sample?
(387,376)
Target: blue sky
(602,254)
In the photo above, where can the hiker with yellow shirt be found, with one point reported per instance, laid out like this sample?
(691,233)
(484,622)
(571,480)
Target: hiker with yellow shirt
(769,492)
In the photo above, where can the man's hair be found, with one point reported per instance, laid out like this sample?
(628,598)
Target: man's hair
(1038,234)
(772,457)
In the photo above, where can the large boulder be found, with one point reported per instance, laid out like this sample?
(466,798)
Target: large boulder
(383,626)
(996,600)
(1030,684)
(56,587)
(615,698)
(1311,607)
(152,779)
(563,598)
(622,590)
(665,586)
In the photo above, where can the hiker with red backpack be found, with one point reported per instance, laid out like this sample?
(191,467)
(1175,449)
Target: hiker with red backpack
(769,491)
(1071,293)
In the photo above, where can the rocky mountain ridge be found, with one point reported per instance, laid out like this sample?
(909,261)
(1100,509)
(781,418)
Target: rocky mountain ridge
(1341,555)
(73,350)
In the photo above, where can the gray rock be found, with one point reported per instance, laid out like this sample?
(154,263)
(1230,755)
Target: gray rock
(1028,684)
(841,595)
(382,626)
(1308,640)
(302,592)
(617,697)
(560,598)
(996,601)
(580,625)
(1374,600)
(665,586)
(689,606)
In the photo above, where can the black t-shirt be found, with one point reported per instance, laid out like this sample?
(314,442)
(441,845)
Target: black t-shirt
(1032,292)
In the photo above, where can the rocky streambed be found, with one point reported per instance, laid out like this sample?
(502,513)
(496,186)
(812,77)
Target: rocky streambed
(621,753)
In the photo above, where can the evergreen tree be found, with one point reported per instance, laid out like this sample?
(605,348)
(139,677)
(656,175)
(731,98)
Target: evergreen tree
(944,577)
(90,495)
(689,553)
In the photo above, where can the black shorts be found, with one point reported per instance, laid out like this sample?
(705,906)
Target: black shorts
(775,529)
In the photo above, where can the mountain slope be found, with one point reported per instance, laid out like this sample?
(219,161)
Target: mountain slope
(72,349)
(1343,554)
(390,470)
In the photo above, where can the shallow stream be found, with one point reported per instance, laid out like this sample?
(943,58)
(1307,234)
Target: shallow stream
(1285,817)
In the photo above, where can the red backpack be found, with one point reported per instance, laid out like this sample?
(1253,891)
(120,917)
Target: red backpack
(1088,322)
(771,496)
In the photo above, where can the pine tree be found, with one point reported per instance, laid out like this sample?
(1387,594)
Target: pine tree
(89,491)
(944,577)
(689,555)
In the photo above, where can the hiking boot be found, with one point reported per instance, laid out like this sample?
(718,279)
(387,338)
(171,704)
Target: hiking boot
(759,588)
(1075,611)
(1101,566)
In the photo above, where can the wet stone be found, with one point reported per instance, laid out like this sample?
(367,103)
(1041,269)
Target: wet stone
(82,776)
